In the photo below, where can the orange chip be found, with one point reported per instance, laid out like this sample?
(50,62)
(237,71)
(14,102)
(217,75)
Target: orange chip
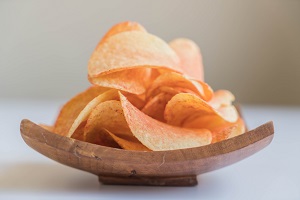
(108,115)
(221,98)
(108,119)
(105,138)
(171,90)
(148,95)
(190,57)
(240,128)
(175,80)
(204,89)
(222,133)
(160,136)
(222,102)
(100,136)
(129,143)
(228,131)
(123,27)
(72,108)
(131,80)
(155,107)
(188,110)
(83,115)
(229,113)
(130,50)
(136,100)
(78,133)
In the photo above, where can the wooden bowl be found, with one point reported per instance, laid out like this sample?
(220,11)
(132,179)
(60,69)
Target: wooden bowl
(163,168)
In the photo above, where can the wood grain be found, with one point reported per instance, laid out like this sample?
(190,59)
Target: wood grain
(172,168)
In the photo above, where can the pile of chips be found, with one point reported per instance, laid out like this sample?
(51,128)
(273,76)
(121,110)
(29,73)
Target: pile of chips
(147,95)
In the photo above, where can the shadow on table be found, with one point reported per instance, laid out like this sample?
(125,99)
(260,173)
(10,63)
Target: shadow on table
(45,177)
(31,177)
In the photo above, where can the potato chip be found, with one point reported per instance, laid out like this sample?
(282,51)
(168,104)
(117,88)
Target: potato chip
(240,128)
(155,107)
(136,100)
(159,136)
(222,102)
(72,108)
(228,131)
(100,136)
(204,89)
(78,133)
(106,123)
(108,115)
(190,57)
(130,50)
(188,110)
(222,133)
(111,94)
(176,80)
(123,80)
(129,143)
(123,27)
(229,113)
(148,95)
(172,90)
(221,98)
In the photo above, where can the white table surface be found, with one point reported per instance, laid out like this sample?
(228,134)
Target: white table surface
(273,173)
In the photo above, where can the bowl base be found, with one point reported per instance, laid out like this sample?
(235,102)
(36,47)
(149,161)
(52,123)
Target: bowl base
(149,181)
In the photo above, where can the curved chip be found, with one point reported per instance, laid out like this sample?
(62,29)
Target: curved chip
(204,89)
(136,100)
(155,107)
(73,107)
(124,77)
(129,143)
(159,136)
(123,27)
(83,115)
(130,50)
(108,115)
(107,122)
(140,83)
(100,136)
(240,128)
(78,133)
(221,98)
(188,110)
(228,131)
(131,80)
(190,57)
(175,80)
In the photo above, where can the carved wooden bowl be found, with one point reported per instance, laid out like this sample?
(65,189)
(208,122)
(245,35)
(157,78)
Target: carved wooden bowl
(162,168)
